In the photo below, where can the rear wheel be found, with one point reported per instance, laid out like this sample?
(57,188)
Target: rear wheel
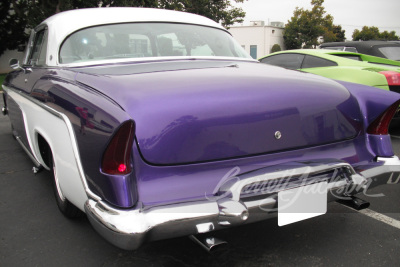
(66,207)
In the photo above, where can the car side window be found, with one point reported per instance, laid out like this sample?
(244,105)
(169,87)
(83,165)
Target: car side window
(38,51)
(351,49)
(289,61)
(316,62)
(353,57)
(339,48)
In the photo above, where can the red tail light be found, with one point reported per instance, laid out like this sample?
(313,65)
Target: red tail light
(392,77)
(117,157)
(380,125)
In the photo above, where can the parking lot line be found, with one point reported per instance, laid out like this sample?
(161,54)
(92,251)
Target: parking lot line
(379,216)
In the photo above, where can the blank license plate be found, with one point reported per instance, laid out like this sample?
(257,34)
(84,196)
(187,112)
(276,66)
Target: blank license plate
(302,203)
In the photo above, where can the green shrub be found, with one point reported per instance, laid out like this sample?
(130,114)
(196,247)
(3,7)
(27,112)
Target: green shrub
(275,48)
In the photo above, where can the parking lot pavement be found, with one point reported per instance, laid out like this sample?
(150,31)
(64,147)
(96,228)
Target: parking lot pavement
(34,233)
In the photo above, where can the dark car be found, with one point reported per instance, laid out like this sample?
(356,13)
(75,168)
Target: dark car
(390,50)
(157,124)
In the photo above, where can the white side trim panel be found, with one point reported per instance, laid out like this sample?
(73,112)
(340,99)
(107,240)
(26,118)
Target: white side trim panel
(58,132)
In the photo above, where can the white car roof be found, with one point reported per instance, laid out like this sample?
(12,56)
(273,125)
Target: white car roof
(63,24)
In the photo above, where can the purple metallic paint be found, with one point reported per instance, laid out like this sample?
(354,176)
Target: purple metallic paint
(168,184)
(159,105)
(23,82)
(59,91)
(381,145)
(372,101)
(177,110)
(120,189)
(208,114)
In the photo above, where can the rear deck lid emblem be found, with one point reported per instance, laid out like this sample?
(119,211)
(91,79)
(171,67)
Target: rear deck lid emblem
(278,135)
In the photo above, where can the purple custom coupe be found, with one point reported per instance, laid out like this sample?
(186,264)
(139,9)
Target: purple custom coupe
(156,124)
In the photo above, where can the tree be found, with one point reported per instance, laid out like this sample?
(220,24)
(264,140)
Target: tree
(220,11)
(306,26)
(334,33)
(292,35)
(19,16)
(12,30)
(367,33)
(339,33)
(389,36)
(373,33)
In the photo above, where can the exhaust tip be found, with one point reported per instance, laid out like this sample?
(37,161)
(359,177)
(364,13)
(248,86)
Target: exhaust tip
(355,203)
(209,243)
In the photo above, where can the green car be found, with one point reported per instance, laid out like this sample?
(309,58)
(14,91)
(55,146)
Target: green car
(339,65)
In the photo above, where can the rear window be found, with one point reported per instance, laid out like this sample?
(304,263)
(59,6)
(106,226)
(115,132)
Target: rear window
(391,52)
(316,62)
(137,40)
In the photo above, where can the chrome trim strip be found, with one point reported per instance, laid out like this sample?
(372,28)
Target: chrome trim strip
(151,59)
(71,133)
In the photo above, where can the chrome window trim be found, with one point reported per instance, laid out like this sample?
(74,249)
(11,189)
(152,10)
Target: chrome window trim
(151,59)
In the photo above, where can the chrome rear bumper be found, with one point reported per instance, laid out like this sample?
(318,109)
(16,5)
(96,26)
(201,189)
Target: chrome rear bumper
(240,199)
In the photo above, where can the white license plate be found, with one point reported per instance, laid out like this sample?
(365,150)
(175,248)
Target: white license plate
(302,203)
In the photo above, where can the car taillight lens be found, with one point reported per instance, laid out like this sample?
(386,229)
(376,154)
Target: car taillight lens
(117,157)
(392,77)
(380,125)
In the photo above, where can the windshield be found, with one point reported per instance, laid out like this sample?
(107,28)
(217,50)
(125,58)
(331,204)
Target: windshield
(138,40)
(391,52)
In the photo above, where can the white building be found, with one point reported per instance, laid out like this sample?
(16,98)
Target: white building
(258,38)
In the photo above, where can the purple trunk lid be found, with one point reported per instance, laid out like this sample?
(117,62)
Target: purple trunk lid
(219,110)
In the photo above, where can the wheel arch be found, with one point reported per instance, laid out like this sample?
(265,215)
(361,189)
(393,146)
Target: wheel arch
(52,142)
(44,150)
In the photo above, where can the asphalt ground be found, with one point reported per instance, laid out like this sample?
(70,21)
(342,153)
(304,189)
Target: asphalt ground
(34,233)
